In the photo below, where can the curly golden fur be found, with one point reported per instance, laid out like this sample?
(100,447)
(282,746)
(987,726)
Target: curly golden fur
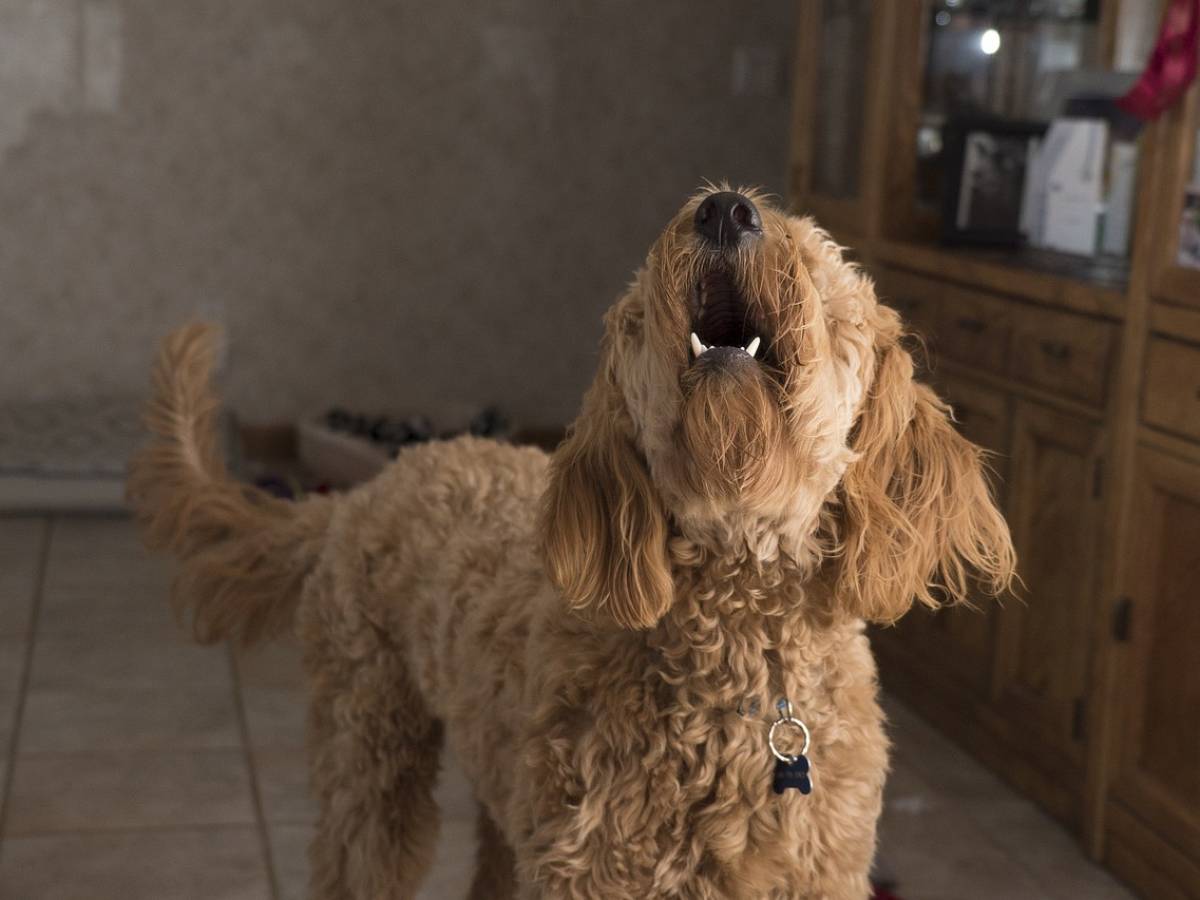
(601,636)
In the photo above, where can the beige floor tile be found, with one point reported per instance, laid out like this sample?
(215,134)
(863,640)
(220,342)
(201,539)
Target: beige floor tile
(453,863)
(182,864)
(1046,850)
(127,691)
(455,796)
(100,580)
(449,876)
(12,663)
(101,791)
(127,660)
(289,856)
(21,539)
(97,540)
(274,695)
(275,717)
(274,664)
(110,606)
(943,809)
(933,850)
(283,785)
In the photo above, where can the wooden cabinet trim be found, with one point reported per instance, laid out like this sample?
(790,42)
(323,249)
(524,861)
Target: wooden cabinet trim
(971,271)
(1158,475)
(1175,321)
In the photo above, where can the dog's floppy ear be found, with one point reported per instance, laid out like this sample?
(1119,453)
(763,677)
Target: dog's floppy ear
(604,531)
(917,519)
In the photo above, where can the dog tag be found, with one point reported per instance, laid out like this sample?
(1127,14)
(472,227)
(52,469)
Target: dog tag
(793,775)
(791,769)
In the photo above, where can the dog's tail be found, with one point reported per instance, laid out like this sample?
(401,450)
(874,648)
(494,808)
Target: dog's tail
(244,554)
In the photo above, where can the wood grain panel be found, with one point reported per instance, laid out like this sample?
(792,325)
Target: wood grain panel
(1159,759)
(1062,352)
(1171,394)
(1043,656)
(975,328)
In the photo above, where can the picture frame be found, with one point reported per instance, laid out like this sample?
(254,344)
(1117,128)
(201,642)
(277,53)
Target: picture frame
(987,160)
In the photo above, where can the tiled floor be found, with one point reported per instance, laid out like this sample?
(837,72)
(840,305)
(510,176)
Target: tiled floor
(137,766)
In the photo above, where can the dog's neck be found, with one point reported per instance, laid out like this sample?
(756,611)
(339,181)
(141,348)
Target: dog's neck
(794,544)
(739,627)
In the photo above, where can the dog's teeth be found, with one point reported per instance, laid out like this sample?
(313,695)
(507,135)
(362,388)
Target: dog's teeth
(752,347)
(697,347)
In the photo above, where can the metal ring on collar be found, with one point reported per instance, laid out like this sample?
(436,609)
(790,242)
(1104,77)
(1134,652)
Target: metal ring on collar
(788,720)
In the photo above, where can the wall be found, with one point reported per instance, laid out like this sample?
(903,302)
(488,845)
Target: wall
(388,204)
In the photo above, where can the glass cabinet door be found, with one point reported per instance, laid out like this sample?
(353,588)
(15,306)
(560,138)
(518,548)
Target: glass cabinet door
(1005,131)
(840,107)
(1001,60)
(1177,245)
(829,127)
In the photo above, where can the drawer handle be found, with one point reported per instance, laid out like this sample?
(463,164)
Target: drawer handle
(974,326)
(1056,350)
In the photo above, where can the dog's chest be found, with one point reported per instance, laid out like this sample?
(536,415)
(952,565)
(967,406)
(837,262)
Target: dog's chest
(712,809)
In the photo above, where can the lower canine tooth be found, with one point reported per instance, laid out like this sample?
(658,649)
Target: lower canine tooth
(752,347)
(697,347)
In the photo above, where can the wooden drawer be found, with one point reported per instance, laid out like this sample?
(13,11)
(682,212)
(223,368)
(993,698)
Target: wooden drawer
(981,413)
(974,329)
(983,416)
(914,297)
(1064,353)
(1171,392)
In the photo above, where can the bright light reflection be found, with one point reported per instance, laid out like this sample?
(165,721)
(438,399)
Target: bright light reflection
(989,41)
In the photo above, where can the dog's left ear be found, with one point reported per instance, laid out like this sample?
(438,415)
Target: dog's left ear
(917,520)
(604,530)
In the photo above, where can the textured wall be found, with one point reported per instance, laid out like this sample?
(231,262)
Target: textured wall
(390,204)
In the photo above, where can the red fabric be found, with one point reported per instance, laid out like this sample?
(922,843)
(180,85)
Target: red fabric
(883,894)
(1172,65)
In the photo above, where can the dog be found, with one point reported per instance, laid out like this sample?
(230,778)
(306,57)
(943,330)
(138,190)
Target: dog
(625,643)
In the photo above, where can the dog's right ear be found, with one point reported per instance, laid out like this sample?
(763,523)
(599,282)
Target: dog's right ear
(604,530)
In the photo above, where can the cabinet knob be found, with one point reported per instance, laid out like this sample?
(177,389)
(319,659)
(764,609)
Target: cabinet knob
(974,326)
(1056,350)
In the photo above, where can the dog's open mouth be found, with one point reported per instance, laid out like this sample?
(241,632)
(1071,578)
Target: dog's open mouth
(723,321)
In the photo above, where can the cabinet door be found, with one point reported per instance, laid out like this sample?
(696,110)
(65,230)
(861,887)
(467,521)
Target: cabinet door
(1043,654)
(829,128)
(1157,780)
(960,640)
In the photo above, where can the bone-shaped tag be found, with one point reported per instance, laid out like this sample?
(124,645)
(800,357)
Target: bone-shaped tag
(793,775)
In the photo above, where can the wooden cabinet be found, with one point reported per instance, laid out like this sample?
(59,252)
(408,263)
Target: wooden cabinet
(1154,794)
(1063,352)
(961,640)
(1081,376)
(1043,651)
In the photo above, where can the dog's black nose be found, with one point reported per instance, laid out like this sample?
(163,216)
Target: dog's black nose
(724,217)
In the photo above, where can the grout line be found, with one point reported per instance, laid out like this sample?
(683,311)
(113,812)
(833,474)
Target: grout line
(35,609)
(255,791)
